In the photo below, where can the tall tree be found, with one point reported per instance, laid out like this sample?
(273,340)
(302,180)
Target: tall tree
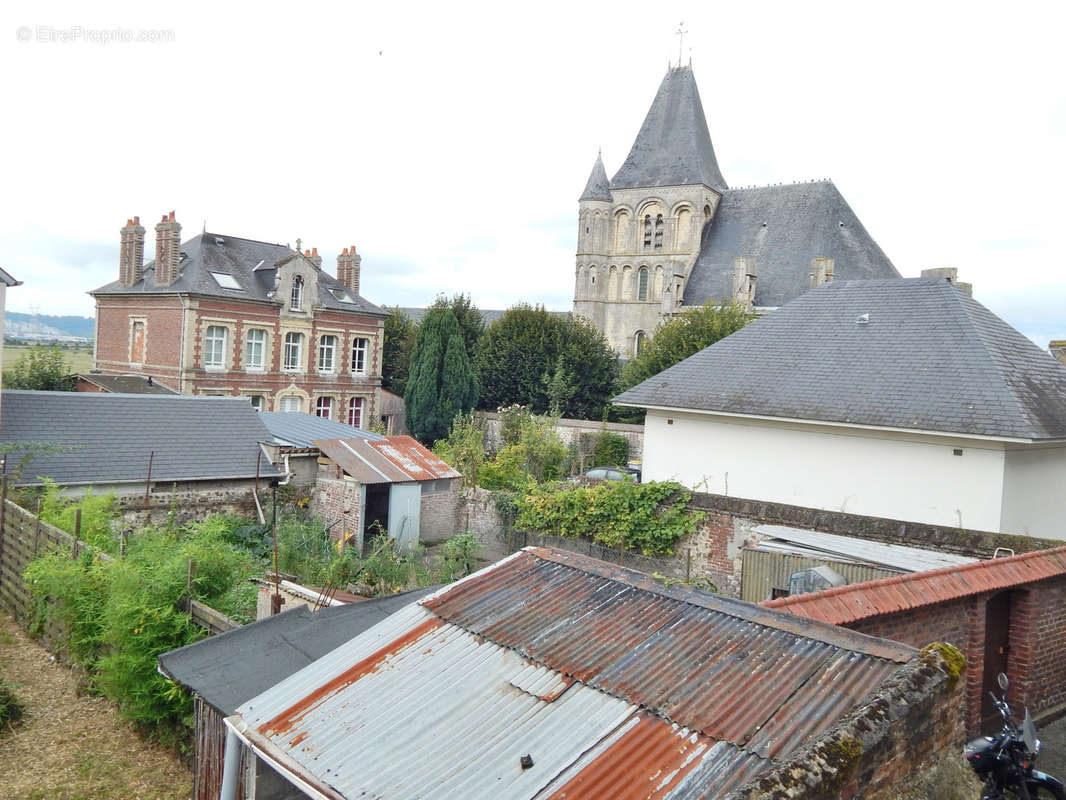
(42,369)
(400,333)
(675,340)
(471,322)
(441,383)
(546,361)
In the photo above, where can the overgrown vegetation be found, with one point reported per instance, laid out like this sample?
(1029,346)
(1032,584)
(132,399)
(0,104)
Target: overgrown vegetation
(10,708)
(612,450)
(649,517)
(120,615)
(97,514)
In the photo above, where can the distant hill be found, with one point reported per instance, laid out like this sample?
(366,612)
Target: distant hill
(47,326)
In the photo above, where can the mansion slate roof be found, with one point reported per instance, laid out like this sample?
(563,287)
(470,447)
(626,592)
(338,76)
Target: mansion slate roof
(783,228)
(928,357)
(107,438)
(673,147)
(250,264)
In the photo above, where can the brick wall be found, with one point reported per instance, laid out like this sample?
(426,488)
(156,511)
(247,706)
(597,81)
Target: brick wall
(881,749)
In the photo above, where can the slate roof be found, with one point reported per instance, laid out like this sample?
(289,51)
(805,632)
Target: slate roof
(7,280)
(251,265)
(614,685)
(845,604)
(126,384)
(598,187)
(930,358)
(783,228)
(296,429)
(112,435)
(673,147)
(233,667)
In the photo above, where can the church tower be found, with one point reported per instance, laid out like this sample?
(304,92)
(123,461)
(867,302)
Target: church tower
(639,233)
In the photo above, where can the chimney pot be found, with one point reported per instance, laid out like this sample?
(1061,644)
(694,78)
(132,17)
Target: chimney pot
(314,251)
(136,220)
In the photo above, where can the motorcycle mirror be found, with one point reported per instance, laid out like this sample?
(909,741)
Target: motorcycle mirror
(1001,679)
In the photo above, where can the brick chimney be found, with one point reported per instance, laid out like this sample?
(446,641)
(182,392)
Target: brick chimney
(131,252)
(315,258)
(821,271)
(167,250)
(744,279)
(348,268)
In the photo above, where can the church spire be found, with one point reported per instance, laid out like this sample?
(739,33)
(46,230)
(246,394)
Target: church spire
(673,147)
(598,187)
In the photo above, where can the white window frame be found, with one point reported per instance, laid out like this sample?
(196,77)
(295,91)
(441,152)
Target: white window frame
(288,399)
(324,403)
(360,352)
(258,401)
(214,354)
(249,344)
(325,365)
(296,295)
(356,407)
(296,346)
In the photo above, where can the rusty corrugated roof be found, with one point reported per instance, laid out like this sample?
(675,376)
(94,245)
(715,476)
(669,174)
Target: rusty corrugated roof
(844,604)
(616,686)
(394,459)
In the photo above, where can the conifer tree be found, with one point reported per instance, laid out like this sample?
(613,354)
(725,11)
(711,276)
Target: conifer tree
(441,382)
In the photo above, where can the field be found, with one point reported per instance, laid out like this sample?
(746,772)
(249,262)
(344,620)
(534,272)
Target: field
(80,360)
(71,746)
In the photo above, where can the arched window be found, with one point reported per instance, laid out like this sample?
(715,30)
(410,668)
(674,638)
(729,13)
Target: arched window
(647,230)
(659,230)
(639,340)
(621,231)
(642,284)
(297,297)
(612,284)
(683,227)
(658,294)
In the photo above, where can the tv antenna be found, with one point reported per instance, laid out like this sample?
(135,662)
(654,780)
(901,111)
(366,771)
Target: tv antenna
(680,40)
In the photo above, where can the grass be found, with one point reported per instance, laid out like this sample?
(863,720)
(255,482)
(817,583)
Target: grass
(70,746)
(80,360)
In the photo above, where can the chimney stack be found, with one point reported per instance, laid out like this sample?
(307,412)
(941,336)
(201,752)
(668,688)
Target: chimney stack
(316,259)
(348,268)
(821,271)
(744,279)
(131,252)
(167,250)
(952,275)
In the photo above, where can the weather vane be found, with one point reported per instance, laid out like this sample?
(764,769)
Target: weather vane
(680,40)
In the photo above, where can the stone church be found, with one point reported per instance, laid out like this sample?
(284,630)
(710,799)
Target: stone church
(667,232)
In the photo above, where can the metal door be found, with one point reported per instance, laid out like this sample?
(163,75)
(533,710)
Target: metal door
(405,506)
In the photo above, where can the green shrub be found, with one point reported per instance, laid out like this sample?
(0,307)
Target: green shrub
(10,707)
(97,514)
(458,558)
(649,517)
(612,450)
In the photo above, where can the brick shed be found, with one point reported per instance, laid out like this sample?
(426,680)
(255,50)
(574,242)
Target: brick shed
(1004,614)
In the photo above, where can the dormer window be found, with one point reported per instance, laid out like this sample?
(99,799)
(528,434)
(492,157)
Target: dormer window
(297,296)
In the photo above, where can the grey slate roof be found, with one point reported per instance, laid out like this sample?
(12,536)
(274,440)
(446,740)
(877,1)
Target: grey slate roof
(233,667)
(296,429)
(930,358)
(127,384)
(7,280)
(111,436)
(673,147)
(802,221)
(598,187)
(212,252)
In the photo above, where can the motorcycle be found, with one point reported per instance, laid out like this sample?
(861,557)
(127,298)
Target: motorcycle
(1004,762)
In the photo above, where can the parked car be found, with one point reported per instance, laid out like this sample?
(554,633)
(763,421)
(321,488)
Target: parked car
(612,474)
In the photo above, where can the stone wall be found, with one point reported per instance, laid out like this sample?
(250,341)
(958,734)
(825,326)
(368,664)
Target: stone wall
(578,432)
(189,505)
(881,749)
(438,517)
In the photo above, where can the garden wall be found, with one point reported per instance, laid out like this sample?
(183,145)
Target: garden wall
(581,433)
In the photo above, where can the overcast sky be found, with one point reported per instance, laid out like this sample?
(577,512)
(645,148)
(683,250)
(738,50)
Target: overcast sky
(450,141)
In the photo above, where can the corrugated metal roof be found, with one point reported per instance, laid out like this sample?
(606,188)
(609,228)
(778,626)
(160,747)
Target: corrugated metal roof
(891,556)
(391,459)
(845,604)
(615,688)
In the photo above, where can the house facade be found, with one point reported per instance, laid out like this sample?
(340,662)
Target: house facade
(221,315)
(901,398)
(667,231)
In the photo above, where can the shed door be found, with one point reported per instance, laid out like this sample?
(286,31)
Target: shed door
(997,646)
(405,506)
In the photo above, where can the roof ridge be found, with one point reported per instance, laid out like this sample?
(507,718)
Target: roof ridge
(240,238)
(812,181)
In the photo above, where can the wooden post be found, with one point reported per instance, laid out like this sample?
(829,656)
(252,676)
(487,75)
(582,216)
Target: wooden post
(3,521)
(688,565)
(77,533)
(123,540)
(190,576)
(37,529)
